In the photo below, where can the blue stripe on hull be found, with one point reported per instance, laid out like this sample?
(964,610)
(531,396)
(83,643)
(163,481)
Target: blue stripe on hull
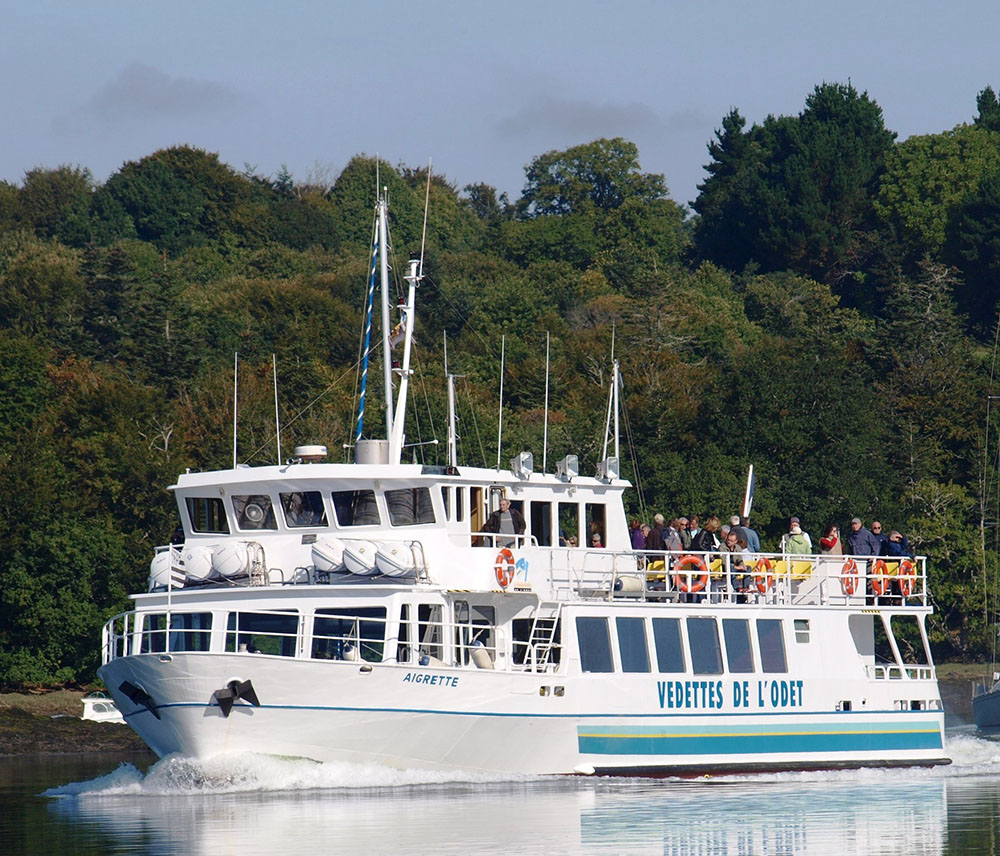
(596,740)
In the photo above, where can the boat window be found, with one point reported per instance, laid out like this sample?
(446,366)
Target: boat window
(632,644)
(262,633)
(189,631)
(207,514)
(595,524)
(429,630)
(357,633)
(460,504)
(569,524)
(254,512)
(801,629)
(546,641)
(541,522)
(476,517)
(706,654)
(595,644)
(772,645)
(303,508)
(355,508)
(906,629)
(667,639)
(446,493)
(409,506)
(403,635)
(473,625)
(738,653)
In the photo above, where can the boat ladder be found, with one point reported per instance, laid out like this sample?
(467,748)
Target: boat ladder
(542,638)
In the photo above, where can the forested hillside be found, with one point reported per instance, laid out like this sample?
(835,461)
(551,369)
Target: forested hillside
(828,312)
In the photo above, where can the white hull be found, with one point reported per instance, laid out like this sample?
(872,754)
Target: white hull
(478,720)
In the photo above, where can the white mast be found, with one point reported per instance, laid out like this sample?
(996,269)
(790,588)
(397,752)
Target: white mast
(414,273)
(277,418)
(503,354)
(236,403)
(383,254)
(545,433)
(452,428)
(399,423)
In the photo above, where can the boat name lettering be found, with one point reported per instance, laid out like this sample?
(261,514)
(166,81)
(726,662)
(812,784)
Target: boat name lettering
(709,694)
(424,678)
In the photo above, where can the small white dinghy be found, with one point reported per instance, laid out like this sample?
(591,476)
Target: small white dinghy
(99,708)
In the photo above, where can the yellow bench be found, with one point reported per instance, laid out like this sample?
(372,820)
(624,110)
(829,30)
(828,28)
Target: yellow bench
(797,570)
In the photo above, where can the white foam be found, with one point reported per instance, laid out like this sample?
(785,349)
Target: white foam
(176,775)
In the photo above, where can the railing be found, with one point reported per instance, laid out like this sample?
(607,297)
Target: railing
(731,578)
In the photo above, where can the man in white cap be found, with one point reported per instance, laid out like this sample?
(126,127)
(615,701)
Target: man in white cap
(796,540)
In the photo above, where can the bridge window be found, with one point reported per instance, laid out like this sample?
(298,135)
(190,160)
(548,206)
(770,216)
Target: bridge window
(667,639)
(303,508)
(632,644)
(409,506)
(706,653)
(738,652)
(595,644)
(355,508)
(569,524)
(772,645)
(254,512)
(207,514)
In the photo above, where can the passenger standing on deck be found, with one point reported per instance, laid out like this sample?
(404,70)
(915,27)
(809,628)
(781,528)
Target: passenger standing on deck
(706,541)
(795,540)
(506,521)
(896,546)
(753,539)
(861,542)
(654,537)
(880,536)
(693,528)
(672,537)
(685,533)
(638,538)
(829,544)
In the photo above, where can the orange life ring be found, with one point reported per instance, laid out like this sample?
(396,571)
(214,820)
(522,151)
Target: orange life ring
(503,567)
(907,577)
(764,580)
(878,576)
(694,563)
(849,574)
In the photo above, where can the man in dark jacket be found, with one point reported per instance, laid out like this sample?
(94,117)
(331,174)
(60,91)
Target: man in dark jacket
(861,542)
(508,521)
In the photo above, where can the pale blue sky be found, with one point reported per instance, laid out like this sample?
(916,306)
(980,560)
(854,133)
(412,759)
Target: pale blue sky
(479,87)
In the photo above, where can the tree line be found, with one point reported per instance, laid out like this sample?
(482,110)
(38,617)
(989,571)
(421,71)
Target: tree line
(828,313)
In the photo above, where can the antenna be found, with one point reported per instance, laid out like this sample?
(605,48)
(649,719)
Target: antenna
(545,434)
(236,391)
(503,356)
(277,420)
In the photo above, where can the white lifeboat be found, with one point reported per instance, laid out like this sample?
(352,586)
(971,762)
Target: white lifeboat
(396,559)
(159,571)
(197,561)
(328,555)
(360,557)
(232,559)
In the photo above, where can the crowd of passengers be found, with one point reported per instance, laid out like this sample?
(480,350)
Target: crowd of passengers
(683,534)
(740,544)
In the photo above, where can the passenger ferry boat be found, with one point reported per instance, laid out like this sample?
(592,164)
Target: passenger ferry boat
(371,612)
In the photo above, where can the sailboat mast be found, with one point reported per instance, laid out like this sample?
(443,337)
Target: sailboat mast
(383,247)
(399,423)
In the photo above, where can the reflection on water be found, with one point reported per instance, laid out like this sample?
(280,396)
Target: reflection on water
(271,805)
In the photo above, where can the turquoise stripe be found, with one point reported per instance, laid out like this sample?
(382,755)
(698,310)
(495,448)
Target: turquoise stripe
(736,740)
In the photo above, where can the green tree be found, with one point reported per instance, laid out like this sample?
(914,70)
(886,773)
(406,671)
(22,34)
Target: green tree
(988,106)
(794,193)
(973,246)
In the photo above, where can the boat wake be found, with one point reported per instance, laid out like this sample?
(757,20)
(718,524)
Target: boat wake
(178,776)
